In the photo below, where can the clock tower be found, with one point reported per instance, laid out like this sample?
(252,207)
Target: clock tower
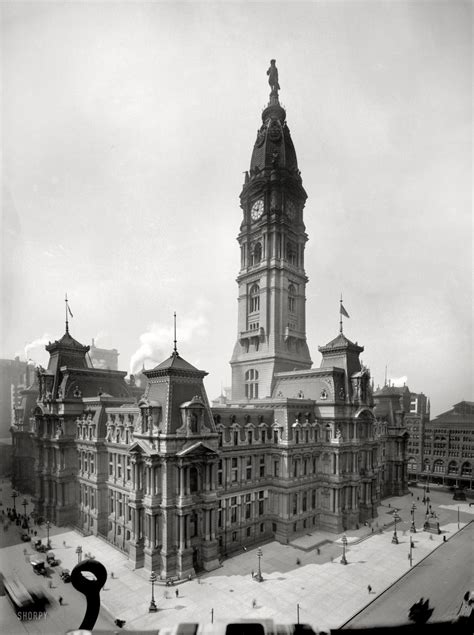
(272,280)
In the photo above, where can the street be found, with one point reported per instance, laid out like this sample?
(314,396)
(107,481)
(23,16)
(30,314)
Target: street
(443,577)
(14,561)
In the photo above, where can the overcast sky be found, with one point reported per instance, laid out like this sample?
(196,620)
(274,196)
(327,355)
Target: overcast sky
(127,127)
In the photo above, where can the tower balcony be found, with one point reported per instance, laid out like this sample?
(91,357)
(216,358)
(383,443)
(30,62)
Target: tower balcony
(252,335)
(293,334)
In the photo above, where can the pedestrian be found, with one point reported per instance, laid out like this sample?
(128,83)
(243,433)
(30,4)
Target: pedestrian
(64,543)
(177,592)
(112,575)
(431,536)
(417,498)
(318,550)
(372,530)
(252,573)
(36,533)
(444,538)
(60,600)
(369,589)
(51,586)
(254,604)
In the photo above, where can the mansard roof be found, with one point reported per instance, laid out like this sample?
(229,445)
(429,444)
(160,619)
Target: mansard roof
(67,342)
(174,362)
(340,342)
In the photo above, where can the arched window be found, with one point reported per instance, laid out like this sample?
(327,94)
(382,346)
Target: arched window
(254,299)
(291,254)
(291,298)
(412,465)
(438,466)
(453,468)
(466,469)
(251,384)
(256,254)
(426,465)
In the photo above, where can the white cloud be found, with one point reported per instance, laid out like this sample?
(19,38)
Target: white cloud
(156,344)
(398,381)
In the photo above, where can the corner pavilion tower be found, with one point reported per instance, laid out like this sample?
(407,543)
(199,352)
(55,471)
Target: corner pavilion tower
(272,280)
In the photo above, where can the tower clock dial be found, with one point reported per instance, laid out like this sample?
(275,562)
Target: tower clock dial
(290,210)
(257,209)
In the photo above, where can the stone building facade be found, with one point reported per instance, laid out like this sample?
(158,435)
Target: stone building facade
(176,484)
(448,448)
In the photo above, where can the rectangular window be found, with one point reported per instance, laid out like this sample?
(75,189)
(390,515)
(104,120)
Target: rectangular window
(236,437)
(111,465)
(263,436)
(234,470)
(276,468)
(262,467)
(219,473)
(248,506)
(261,508)
(248,469)
(234,536)
(249,436)
(129,469)
(262,527)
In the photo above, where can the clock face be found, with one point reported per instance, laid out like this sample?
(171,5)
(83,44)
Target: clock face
(257,209)
(290,209)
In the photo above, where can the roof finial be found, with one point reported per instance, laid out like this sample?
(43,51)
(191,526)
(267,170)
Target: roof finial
(385,383)
(175,350)
(68,311)
(342,312)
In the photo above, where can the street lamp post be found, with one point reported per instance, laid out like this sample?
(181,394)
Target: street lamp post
(458,516)
(24,503)
(14,496)
(410,555)
(344,545)
(48,525)
(152,608)
(79,554)
(413,528)
(259,577)
(297,613)
(396,518)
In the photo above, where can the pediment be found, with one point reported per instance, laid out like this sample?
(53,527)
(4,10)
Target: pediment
(196,450)
(140,447)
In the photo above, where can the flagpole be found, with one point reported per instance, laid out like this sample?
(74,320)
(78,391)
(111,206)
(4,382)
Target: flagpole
(340,315)
(65,306)
(175,341)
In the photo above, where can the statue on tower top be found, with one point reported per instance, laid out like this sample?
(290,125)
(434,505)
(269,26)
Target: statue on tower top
(273,78)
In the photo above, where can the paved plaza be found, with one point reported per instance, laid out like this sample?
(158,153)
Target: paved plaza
(327,592)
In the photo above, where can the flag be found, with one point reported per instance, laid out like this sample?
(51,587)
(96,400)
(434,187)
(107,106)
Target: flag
(70,312)
(343,311)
